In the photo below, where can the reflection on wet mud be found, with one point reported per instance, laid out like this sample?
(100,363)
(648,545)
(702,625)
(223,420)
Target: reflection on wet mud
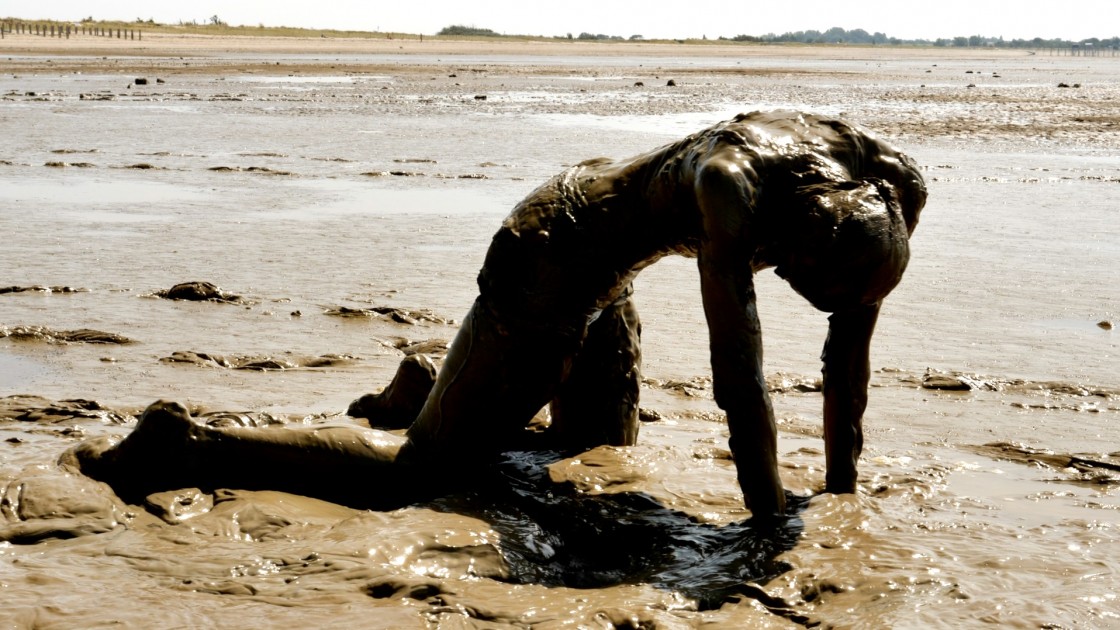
(557,530)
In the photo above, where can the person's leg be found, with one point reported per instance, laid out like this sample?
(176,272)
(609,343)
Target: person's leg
(598,402)
(495,378)
(168,450)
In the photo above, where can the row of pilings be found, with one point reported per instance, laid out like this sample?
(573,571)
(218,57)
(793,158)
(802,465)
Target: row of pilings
(63,30)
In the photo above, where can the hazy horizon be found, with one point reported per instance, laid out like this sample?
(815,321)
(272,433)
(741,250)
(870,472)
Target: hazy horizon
(624,18)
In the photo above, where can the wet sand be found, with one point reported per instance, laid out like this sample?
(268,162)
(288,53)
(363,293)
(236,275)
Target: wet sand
(345,192)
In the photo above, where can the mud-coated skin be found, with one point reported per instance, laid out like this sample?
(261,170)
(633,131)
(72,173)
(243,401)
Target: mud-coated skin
(828,205)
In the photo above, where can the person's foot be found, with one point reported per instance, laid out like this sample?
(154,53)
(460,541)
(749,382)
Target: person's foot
(152,457)
(399,404)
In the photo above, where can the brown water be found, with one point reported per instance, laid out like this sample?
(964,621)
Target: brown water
(280,189)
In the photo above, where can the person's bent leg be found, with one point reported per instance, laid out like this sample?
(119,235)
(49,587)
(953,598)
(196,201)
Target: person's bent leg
(598,402)
(495,378)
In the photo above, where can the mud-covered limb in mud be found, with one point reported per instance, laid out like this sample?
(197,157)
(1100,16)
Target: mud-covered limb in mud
(725,197)
(169,450)
(847,372)
(597,403)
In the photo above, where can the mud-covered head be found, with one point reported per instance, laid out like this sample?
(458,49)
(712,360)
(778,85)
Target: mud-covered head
(842,244)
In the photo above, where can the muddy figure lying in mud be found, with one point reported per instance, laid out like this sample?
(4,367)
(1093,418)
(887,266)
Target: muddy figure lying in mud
(828,206)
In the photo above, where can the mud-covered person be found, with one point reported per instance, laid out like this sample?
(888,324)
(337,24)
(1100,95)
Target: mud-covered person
(828,206)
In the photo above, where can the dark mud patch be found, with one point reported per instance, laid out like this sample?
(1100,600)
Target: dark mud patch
(561,527)
(399,315)
(38,288)
(39,410)
(260,363)
(196,291)
(49,335)
(262,170)
(399,173)
(142,166)
(54,164)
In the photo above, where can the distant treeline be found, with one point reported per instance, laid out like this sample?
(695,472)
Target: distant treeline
(468,31)
(837,35)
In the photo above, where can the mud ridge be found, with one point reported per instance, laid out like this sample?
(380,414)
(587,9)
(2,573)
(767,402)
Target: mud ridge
(39,410)
(260,363)
(399,315)
(49,335)
(38,288)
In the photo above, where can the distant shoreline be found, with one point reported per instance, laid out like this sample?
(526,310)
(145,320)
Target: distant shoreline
(162,45)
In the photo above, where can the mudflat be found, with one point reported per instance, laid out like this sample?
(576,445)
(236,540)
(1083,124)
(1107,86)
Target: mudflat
(330,202)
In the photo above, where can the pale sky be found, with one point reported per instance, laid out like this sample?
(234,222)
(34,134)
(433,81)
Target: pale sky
(930,19)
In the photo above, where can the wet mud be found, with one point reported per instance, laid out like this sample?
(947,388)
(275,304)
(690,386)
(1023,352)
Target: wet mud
(412,317)
(49,335)
(988,491)
(42,289)
(260,363)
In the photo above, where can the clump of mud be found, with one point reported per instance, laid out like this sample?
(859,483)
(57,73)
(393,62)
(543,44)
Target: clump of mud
(197,291)
(49,335)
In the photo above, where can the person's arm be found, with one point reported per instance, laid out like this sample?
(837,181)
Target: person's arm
(725,195)
(846,371)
